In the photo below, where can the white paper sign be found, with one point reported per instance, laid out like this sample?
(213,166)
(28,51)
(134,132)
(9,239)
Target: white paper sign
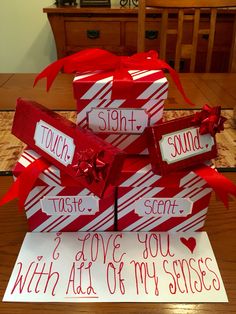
(116,267)
(118,120)
(160,206)
(54,142)
(186,143)
(69,205)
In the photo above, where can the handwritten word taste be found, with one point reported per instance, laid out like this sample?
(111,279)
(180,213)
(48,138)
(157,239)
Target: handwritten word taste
(70,205)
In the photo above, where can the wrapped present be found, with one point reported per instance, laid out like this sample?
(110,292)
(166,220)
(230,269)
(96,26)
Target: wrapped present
(92,162)
(117,96)
(58,203)
(121,121)
(150,202)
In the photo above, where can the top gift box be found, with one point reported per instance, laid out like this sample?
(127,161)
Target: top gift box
(144,85)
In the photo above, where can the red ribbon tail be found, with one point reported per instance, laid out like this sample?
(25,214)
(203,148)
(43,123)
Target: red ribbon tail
(24,183)
(175,78)
(50,72)
(222,186)
(12,193)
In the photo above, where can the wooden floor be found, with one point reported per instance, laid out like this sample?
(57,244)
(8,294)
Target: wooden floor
(211,88)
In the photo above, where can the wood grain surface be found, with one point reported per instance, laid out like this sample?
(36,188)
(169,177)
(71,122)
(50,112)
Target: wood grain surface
(214,89)
(221,228)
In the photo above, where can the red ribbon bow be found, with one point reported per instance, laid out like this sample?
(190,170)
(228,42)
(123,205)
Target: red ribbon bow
(91,166)
(210,120)
(98,59)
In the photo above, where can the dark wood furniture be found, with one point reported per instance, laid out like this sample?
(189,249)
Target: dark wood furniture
(186,49)
(116,29)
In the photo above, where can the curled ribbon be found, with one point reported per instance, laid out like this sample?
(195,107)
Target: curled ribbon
(24,183)
(90,165)
(98,59)
(210,120)
(222,186)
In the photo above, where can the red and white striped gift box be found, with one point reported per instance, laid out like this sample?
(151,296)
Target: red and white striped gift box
(121,122)
(149,202)
(52,206)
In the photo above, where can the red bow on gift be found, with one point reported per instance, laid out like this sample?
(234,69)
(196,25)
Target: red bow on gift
(98,59)
(91,166)
(210,120)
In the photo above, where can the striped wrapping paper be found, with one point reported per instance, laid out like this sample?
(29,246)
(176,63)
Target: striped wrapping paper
(48,185)
(142,183)
(93,90)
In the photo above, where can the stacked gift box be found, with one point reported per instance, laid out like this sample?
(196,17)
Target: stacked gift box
(121,121)
(110,172)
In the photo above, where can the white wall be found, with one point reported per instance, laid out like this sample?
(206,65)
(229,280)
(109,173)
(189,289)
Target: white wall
(26,39)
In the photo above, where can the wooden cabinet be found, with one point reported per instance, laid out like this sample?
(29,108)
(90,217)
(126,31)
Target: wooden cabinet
(115,29)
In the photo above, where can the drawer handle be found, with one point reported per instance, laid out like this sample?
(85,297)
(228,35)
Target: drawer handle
(151,34)
(93,34)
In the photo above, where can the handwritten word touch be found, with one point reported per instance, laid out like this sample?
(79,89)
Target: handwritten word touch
(55,143)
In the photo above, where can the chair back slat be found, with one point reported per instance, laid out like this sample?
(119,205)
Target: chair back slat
(232,59)
(195,39)
(164,32)
(211,39)
(179,39)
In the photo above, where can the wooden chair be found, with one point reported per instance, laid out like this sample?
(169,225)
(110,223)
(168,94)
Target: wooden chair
(186,10)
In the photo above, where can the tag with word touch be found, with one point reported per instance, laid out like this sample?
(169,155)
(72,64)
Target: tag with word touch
(79,153)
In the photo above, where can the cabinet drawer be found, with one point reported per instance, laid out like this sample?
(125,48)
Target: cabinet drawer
(92,33)
(152,34)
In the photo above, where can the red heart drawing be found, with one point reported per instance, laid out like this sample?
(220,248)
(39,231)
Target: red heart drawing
(58,234)
(68,157)
(39,258)
(138,127)
(181,211)
(206,145)
(89,209)
(190,243)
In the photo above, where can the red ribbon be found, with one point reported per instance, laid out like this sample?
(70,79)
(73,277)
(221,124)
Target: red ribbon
(210,120)
(98,59)
(24,183)
(222,186)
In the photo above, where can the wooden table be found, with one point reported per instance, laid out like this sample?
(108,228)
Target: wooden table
(220,225)
(214,89)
